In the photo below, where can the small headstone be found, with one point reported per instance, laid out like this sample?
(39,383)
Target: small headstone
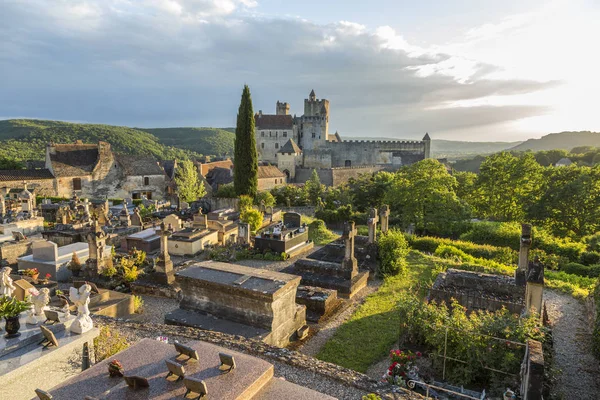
(292,220)
(227,363)
(43,395)
(186,351)
(51,316)
(49,338)
(195,386)
(136,382)
(175,369)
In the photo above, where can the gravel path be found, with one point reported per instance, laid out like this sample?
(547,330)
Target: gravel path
(327,330)
(580,377)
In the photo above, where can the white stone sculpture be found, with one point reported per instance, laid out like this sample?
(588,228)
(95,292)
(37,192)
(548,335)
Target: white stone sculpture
(81,298)
(40,300)
(6,282)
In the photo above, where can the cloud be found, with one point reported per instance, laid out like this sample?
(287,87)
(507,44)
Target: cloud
(183,62)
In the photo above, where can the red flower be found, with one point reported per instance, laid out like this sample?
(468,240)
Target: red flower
(418,354)
(402,373)
(48,276)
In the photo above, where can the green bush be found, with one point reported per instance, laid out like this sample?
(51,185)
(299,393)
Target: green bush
(429,244)
(226,191)
(393,249)
(591,271)
(319,234)
(593,242)
(245,202)
(138,304)
(589,257)
(252,217)
(267,197)
(550,261)
(575,285)
(447,251)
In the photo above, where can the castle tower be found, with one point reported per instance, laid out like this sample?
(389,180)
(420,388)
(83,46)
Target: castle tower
(427,143)
(282,108)
(314,124)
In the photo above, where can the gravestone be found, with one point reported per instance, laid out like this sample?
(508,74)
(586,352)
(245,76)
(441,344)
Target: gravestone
(243,233)
(349,264)
(534,290)
(372,223)
(385,218)
(174,221)
(184,205)
(292,219)
(164,265)
(49,338)
(200,220)
(96,262)
(44,250)
(136,218)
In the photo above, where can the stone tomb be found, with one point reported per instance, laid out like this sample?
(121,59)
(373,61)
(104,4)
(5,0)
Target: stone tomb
(239,300)
(147,240)
(252,379)
(289,236)
(333,267)
(190,241)
(48,258)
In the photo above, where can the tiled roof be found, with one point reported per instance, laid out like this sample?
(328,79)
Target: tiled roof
(273,121)
(74,159)
(205,168)
(290,147)
(7,175)
(169,167)
(219,176)
(269,171)
(139,165)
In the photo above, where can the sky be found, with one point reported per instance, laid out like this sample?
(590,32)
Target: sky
(476,70)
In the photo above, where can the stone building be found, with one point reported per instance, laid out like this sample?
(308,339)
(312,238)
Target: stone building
(39,181)
(93,170)
(296,143)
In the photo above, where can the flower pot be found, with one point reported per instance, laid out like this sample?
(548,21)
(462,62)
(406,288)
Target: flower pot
(12,327)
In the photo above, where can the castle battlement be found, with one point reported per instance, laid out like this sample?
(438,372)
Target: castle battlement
(384,141)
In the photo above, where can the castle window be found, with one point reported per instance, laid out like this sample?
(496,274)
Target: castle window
(314,135)
(146,181)
(76,183)
(262,145)
(347,163)
(284,134)
(262,134)
(276,145)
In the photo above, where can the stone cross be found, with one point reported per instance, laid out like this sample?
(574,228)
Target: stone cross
(372,223)
(349,264)
(385,218)
(164,265)
(136,219)
(523,254)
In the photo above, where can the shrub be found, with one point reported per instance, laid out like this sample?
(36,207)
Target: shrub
(130,269)
(589,257)
(429,244)
(245,202)
(227,191)
(108,343)
(593,242)
(575,285)
(109,271)
(371,396)
(362,230)
(138,304)
(447,251)
(74,264)
(252,217)
(591,271)
(319,234)
(505,234)
(138,257)
(550,261)
(393,249)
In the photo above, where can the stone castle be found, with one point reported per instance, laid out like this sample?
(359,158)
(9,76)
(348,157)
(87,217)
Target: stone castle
(302,143)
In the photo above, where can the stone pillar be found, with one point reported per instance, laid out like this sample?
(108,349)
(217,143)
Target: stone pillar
(243,233)
(385,218)
(372,223)
(523,254)
(164,265)
(349,265)
(2,206)
(534,291)
(96,262)
(86,206)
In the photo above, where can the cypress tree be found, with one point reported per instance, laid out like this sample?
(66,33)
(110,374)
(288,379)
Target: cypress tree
(245,172)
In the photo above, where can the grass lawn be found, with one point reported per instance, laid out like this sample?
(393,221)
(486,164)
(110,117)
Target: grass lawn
(367,336)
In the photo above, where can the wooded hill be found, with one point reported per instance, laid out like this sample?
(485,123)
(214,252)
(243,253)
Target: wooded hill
(562,140)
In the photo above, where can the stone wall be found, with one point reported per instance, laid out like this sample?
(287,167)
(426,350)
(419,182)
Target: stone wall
(532,372)
(10,251)
(218,203)
(335,176)
(373,152)
(40,187)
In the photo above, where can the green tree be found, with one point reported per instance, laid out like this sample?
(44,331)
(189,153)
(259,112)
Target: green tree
(424,194)
(314,188)
(253,217)
(570,203)
(245,173)
(245,202)
(507,186)
(189,185)
(368,190)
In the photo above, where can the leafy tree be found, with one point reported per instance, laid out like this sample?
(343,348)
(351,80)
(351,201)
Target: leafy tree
(227,191)
(245,173)
(290,195)
(189,185)
(245,202)
(507,186)
(266,197)
(465,188)
(424,194)
(314,188)
(570,203)
(368,190)
(9,163)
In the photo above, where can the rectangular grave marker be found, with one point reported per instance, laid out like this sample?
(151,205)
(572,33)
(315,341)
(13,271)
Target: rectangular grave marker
(227,363)
(136,382)
(49,338)
(184,350)
(195,386)
(175,369)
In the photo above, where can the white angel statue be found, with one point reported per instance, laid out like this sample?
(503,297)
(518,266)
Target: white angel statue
(81,298)
(40,300)
(6,282)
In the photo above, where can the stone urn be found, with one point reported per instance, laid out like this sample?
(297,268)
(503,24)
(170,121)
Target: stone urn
(12,327)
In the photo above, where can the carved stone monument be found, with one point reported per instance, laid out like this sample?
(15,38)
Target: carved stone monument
(6,283)
(124,218)
(164,265)
(81,298)
(526,241)
(40,300)
(243,233)
(136,218)
(96,243)
(349,264)
(372,223)
(385,218)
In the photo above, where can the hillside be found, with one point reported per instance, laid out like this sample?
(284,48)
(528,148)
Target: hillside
(26,139)
(562,140)
(210,141)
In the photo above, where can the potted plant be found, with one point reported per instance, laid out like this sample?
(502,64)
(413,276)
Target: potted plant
(74,265)
(10,308)
(33,273)
(115,368)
